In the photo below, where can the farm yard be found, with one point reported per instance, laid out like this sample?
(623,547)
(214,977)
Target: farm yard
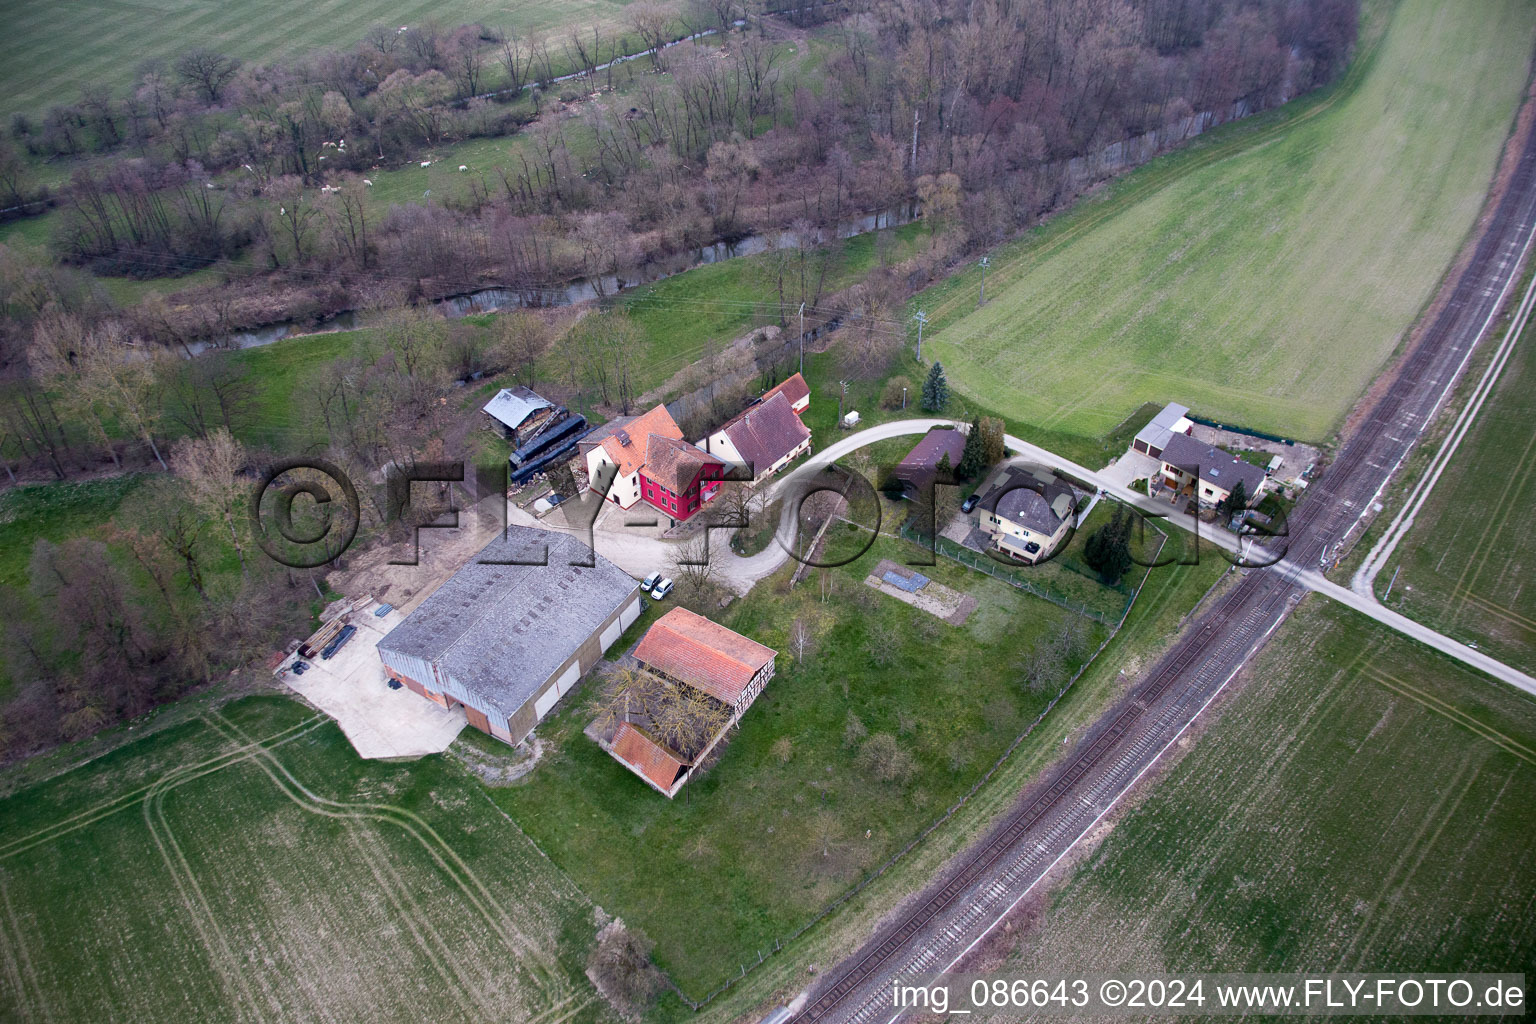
(1358,805)
(1266,288)
(249,867)
(49,50)
(1467,564)
(846,757)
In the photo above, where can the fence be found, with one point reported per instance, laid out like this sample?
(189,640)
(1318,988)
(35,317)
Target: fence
(981,563)
(779,944)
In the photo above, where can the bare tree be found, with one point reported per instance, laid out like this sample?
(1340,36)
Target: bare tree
(211,468)
(802,640)
(207,70)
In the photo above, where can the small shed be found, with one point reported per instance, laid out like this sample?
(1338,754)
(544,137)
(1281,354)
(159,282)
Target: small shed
(520,413)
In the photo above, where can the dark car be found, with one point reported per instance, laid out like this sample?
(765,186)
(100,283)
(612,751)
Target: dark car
(337,643)
(300,667)
(970,503)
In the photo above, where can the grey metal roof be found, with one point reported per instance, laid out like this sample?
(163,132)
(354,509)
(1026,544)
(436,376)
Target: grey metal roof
(501,630)
(1160,428)
(513,405)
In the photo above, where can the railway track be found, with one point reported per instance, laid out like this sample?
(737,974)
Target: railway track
(985,883)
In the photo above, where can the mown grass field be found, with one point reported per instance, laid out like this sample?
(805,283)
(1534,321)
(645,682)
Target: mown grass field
(1264,288)
(191,876)
(757,846)
(1467,565)
(50,50)
(1360,805)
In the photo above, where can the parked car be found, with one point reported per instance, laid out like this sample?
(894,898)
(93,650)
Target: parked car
(300,667)
(970,503)
(338,643)
(649,583)
(662,590)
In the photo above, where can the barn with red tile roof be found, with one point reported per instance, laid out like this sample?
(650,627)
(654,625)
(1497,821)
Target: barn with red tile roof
(765,436)
(796,390)
(687,648)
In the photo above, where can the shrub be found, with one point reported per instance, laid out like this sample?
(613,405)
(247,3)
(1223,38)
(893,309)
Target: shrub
(896,389)
(883,756)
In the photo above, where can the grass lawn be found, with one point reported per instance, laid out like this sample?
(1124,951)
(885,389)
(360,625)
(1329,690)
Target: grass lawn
(181,878)
(1360,804)
(1468,561)
(757,846)
(1266,287)
(49,50)
(54,512)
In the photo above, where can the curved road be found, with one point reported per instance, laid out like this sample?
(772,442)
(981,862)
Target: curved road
(936,929)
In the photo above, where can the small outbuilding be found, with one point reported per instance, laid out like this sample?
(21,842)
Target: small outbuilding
(920,468)
(520,413)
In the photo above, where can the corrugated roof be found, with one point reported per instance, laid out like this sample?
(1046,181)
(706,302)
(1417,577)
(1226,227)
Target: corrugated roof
(514,405)
(501,630)
(1217,467)
(767,431)
(630,457)
(648,758)
(703,654)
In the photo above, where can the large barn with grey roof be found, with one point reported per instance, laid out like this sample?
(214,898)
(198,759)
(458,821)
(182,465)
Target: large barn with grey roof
(507,640)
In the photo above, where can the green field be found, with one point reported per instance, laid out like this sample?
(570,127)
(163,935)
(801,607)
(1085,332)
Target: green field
(757,846)
(1467,564)
(1266,287)
(49,50)
(192,876)
(1359,804)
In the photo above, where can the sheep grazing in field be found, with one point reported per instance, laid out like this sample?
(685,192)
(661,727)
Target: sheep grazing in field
(402,28)
(462,167)
(368,183)
(426,163)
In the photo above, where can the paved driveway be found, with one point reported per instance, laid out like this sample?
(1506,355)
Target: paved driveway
(352,688)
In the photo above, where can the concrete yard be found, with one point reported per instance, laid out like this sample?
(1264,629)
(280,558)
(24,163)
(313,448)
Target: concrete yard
(352,689)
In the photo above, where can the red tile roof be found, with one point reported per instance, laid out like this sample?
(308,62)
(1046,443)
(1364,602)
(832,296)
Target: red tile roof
(675,464)
(703,654)
(630,457)
(656,763)
(766,432)
(795,389)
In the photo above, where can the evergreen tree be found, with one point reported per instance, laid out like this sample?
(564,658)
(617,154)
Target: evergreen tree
(993,445)
(1235,501)
(973,459)
(1108,551)
(935,389)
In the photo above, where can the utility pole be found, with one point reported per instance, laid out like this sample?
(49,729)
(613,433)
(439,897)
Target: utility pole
(903,398)
(802,337)
(986,261)
(921,318)
(841,395)
(914,141)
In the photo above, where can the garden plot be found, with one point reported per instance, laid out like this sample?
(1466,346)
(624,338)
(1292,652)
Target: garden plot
(912,587)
